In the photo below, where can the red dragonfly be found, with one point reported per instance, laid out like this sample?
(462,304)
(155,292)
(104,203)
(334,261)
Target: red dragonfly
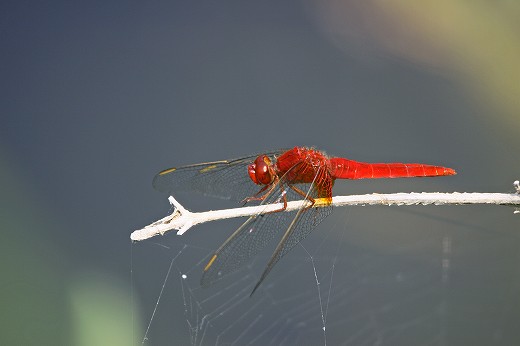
(300,173)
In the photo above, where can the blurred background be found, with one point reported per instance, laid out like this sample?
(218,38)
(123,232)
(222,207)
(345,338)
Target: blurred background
(97,97)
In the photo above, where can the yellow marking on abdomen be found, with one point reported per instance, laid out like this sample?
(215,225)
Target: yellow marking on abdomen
(322,202)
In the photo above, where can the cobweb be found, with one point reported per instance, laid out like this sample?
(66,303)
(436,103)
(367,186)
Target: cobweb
(347,284)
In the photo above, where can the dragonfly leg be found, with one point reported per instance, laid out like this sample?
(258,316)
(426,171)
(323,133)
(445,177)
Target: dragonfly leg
(304,195)
(256,197)
(284,198)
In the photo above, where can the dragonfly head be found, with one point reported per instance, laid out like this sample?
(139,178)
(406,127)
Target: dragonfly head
(261,171)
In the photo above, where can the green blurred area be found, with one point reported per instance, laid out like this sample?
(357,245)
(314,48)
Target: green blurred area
(34,307)
(45,298)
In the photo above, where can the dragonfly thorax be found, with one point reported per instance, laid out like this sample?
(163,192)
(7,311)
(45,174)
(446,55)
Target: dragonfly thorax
(261,171)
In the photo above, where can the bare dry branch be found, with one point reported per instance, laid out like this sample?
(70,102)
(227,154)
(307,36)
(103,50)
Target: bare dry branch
(181,219)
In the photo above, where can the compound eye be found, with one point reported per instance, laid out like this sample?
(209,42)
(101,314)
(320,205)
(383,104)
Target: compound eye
(251,169)
(263,170)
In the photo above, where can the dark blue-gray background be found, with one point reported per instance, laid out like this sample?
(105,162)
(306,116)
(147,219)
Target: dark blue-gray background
(98,97)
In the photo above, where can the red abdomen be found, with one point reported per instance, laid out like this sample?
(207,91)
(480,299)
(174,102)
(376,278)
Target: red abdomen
(348,169)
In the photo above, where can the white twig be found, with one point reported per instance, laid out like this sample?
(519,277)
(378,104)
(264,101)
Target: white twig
(181,219)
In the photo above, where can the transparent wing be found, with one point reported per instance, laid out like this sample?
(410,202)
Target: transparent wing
(249,239)
(305,220)
(254,234)
(225,179)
